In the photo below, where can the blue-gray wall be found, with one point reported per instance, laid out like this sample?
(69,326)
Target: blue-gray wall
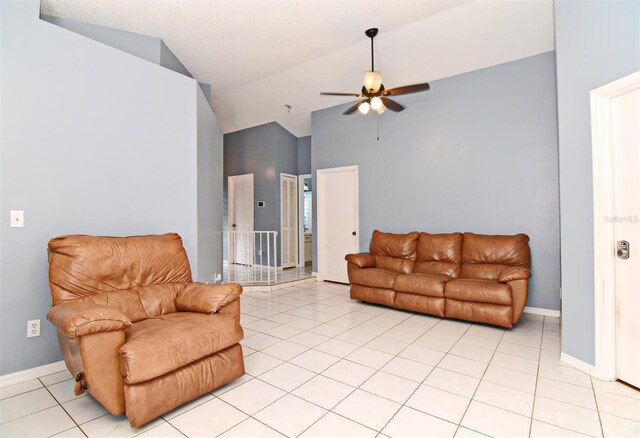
(597,42)
(115,159)
(266,151)
(476,153)
(304,155)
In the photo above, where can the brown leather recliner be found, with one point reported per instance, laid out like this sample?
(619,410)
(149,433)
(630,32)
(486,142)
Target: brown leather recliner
(140,336)
(458,275)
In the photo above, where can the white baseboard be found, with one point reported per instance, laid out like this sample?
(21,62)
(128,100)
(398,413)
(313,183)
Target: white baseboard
(315,274)
(31,373)
(578,364)
(541,311)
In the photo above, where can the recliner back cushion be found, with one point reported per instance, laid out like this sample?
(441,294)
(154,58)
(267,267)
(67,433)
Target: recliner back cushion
(485,256)
(81,266)
(439,254)
(394,252)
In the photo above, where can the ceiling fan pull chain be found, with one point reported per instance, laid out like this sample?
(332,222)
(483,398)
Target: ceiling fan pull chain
(378,126)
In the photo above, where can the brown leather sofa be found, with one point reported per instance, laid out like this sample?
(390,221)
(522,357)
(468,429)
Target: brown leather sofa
(137,333)
(458,275)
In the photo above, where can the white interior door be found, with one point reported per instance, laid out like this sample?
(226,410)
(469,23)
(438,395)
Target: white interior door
(625,121)
(240,195)
(338,222)
(289,219)
(304,253)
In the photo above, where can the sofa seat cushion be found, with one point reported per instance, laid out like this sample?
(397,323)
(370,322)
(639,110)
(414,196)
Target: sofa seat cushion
(421,284)
(157,346)
(374,277)
(479,291)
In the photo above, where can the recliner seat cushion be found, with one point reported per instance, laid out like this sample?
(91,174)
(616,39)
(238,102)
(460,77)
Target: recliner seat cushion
(479,291)
(157,346)
(374,277)
(421,284)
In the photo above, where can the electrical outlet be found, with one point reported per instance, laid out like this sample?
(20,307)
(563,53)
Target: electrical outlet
(33,328)
(218,277)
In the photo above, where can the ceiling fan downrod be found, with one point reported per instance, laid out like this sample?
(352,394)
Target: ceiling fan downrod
(371,33)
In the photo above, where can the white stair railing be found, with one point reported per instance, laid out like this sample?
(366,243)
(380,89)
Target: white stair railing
(251,256)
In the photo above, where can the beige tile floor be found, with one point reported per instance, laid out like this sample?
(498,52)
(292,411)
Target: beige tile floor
(258,275)
(321,365)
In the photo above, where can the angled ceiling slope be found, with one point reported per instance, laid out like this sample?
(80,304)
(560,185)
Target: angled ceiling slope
(261,55)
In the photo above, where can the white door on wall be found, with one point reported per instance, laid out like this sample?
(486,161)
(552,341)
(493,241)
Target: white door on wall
(240,219)
(289,219)
(338,221)
(625,112)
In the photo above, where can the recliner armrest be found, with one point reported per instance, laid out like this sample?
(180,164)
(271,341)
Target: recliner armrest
(362,260)
(206,298)
(514,273)
(77,319)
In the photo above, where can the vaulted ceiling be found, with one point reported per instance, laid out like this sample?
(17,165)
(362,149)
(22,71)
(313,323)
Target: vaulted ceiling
(261,55)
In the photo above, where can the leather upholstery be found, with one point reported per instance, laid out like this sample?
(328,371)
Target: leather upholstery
(144,336)
(467,276)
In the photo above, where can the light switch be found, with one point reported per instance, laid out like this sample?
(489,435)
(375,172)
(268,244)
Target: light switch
(17,218)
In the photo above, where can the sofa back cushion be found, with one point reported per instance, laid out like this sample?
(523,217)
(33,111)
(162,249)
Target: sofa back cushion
(485,256)
(439,254)
(394,252)
(80,266)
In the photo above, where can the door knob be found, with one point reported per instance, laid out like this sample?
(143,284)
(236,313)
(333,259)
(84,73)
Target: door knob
(233,225)
(622,249)
(353,233)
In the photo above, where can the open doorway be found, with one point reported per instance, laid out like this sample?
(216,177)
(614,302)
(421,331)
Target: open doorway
(305,219)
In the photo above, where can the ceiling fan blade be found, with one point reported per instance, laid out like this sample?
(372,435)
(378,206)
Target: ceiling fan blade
(353,108)
(407,89)
(392,104)
(323,93)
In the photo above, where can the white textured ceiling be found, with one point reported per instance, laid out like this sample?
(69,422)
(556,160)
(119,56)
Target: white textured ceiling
(260,55)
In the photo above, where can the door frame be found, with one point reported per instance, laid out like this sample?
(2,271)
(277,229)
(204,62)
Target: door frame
(321,205)
(603,226)
(297,225)
(231,206)
(301,252)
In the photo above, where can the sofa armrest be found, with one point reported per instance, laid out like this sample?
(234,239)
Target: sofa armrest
(206,298)
(514,273)
(361,260)
(77,319)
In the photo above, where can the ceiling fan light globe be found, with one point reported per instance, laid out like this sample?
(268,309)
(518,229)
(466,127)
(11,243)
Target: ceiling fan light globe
(372,81)
(376,103)
(364,107)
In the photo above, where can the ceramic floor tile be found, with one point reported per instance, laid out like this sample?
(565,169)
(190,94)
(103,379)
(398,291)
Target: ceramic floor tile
(357,337)
(290,415)
(187,407)
(515,363)
(259,363)
(435,343)
(545,430)
(619,405)
(390,386)
(64,391)
(46,422)
(367,409)
(567,416)
(512,379)
(69,433)
(564,374)
(252,396)
(323,391)
(369,357)
(19,388)
(349,372)
(315,360)
(165,430)
(287,376)
(251,428)
(239,381)
(519,350)
(495,422)
(110,426)
(441,404)
(261,325)
(565,392)
(328,330)
(308,339)
(471,352)
(452,382)
(84,409)
(424,355)
(285,350)
(260,341)
(619,427)
(210,418)
(409,369)
(615,388)
(463,365)
(337,347)
(387,346)
(411,423)
(506,398)
(463,432)
(333,425)
(28,403)
(54,378)
(479,342)
(284,331)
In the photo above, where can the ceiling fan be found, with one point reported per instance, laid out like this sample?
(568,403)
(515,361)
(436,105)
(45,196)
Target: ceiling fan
(373,93)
